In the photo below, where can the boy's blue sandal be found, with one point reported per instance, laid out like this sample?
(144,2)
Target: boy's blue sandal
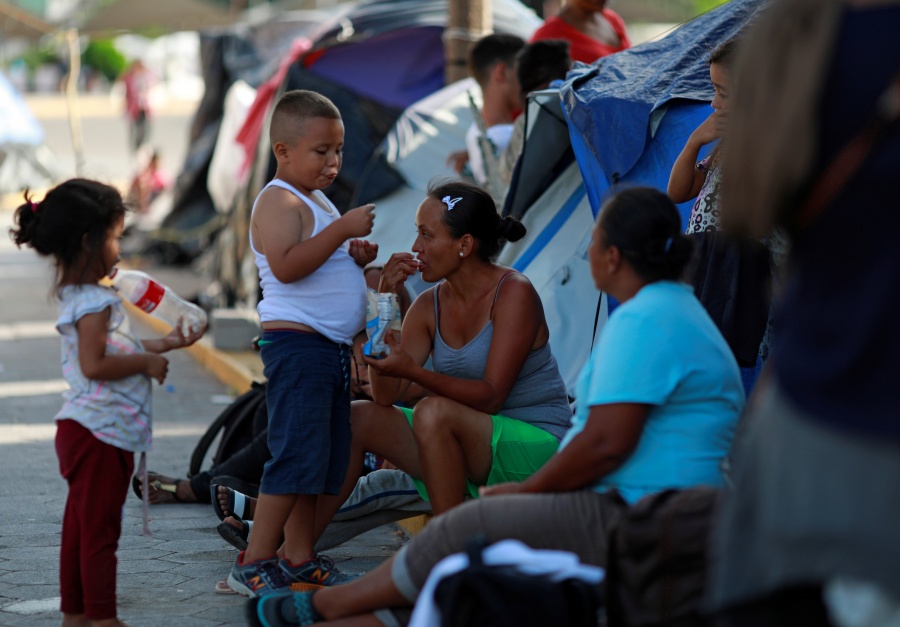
(282,608)
(256,578)
(314,573)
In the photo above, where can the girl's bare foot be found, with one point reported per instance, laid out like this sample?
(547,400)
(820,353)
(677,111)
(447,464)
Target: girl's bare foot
(75,620)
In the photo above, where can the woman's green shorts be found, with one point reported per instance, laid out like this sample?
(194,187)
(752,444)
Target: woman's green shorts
(518,449)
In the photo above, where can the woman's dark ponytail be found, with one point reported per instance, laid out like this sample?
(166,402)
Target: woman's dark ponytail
(74,217)
(644,224)
(25,217)
(510,229)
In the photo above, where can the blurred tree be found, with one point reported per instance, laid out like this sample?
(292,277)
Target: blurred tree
(35,56)
(102,55)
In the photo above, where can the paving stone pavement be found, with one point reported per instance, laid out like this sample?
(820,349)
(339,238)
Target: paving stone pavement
(164,580)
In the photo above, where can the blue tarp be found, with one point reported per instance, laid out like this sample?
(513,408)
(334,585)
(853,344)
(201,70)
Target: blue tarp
(395,54)
(18,126)
(631,113)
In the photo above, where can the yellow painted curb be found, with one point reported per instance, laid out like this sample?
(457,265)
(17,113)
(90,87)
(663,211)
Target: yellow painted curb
(414,525)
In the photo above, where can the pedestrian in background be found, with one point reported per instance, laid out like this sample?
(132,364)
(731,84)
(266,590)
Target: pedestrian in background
(137,80)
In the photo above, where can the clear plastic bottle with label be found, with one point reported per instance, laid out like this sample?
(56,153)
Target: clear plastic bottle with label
(382,315)
(158,300)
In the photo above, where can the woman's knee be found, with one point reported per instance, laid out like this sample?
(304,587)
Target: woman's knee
(363,415)
(431,417)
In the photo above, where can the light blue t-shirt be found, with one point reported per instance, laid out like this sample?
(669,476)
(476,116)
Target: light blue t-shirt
(661,348)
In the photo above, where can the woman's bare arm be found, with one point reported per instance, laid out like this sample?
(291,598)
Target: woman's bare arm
(518,318)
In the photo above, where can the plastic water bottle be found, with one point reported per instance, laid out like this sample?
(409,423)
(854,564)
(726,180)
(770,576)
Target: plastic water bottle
(151,296)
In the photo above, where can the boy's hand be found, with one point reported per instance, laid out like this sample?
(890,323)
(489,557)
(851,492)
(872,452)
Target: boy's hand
(363,252)
(358,222)
(157,367)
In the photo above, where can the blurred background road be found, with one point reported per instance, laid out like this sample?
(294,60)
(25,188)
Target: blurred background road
(107,156)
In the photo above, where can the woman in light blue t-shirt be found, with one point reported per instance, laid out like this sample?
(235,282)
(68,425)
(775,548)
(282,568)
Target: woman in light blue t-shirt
(657,401)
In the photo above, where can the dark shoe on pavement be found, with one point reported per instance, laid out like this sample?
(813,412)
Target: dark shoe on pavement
(239,536)
(282,608)
(236,503)
(256,578)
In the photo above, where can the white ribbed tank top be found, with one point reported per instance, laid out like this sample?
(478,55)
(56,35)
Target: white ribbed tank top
(331,300)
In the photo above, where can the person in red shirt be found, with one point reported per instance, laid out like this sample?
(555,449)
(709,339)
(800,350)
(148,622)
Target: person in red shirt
(137,80)
(592,30)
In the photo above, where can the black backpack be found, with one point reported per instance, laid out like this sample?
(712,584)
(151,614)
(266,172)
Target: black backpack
(483,595)
(236,423)
(656,569)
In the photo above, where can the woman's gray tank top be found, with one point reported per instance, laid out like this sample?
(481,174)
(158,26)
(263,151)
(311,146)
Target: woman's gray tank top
(538,396)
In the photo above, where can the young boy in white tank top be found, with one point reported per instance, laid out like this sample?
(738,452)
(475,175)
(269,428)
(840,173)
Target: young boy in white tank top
(311,272)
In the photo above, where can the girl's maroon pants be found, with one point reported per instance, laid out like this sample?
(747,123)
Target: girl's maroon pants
(98,476)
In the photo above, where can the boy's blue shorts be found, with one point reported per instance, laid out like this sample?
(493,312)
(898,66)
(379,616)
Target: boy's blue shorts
(308,400)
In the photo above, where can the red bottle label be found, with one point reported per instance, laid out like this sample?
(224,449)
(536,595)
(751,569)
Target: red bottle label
(150,299)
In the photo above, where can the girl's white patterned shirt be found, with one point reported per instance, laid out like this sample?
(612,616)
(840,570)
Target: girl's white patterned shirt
(116,412)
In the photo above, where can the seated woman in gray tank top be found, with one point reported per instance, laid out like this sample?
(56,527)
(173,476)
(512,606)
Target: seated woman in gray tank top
(498,406)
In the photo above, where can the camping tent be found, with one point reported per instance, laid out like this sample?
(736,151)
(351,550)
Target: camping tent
(629,116)
(416,151)
(551,191)
(23,156)
(373,62)
(17,23)
(249,52)
(373,59)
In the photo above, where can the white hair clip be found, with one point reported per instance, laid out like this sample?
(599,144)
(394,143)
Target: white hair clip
(450,202)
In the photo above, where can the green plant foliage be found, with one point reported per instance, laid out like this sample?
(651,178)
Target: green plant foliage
(102,55)
(36,56)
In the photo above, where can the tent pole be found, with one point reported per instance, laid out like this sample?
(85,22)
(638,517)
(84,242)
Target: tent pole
(72,98)
(467,22)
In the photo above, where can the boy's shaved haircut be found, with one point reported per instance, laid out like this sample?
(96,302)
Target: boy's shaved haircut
(294,108)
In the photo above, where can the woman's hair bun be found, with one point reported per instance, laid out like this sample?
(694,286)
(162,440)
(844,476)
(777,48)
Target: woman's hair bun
(510,229)
(644,224)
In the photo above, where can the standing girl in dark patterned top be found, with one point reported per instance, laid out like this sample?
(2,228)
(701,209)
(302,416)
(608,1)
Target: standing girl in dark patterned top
(700,180)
